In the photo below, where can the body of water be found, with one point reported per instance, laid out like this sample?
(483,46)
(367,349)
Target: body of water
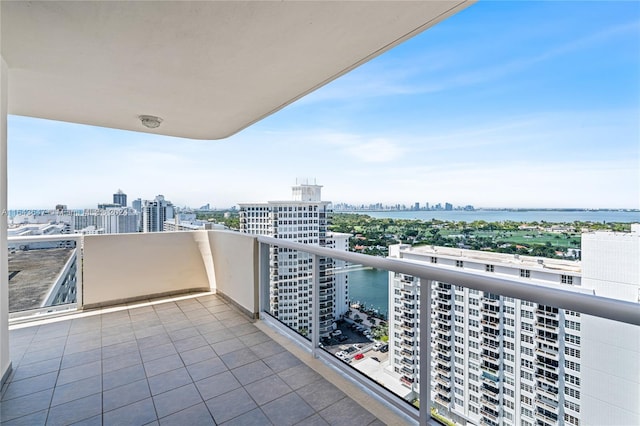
(553,216)
(371,287)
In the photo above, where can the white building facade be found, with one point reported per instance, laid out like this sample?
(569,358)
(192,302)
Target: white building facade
(154,214)
(495,360)
(304,220)
(110,220)
(611,351)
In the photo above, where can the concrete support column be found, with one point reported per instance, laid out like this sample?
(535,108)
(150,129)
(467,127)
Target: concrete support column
(5,361)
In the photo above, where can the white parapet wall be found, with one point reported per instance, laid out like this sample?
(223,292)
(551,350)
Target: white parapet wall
(235,260)
(126,267)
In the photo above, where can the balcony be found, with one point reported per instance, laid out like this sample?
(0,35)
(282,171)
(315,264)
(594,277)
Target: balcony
(493,415)
(194,357)
(549,404)
(490,390)
(442,380)
(492,403)
(166,337)
(186,360)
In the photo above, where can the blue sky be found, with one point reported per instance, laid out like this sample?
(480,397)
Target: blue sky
(507,104)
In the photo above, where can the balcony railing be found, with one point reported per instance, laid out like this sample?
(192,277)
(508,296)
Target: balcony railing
(502,286)
(123,267)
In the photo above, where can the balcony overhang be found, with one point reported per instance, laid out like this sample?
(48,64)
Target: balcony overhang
(208,69)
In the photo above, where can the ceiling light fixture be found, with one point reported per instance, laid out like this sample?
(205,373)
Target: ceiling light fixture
(150,121)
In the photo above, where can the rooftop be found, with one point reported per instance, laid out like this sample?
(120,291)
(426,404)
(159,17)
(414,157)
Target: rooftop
(189,360)
(31,275)
(531,262)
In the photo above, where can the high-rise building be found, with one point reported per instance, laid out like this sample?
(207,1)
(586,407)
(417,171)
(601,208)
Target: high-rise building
(495,360)
(499,360)
(137,205)
(304,220)
(155,213)
(120,198)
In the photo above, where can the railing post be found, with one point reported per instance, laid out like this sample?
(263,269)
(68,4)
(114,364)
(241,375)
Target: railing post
(425,351)
(315,305)
(263,278)
(79,271)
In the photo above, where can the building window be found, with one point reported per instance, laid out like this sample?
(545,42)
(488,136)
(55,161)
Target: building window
(526,412)
(571,365)
(572,352)
(572,393)
(572,325)
(571,420)
(488,268)
(459,264)
(572,379)
(570,338)
(572,406)
(566,279)
(525,273)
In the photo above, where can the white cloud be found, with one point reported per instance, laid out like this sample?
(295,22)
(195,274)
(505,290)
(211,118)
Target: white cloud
(375,151)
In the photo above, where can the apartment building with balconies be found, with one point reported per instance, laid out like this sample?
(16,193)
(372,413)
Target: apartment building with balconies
(495,359)
(304,220)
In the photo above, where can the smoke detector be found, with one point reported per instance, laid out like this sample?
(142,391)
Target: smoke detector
(150,121)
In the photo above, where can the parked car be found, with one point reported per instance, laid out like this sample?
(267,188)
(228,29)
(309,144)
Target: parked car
(358,357)
(384,348)
(341,354)
(375,358)
(342,338)
(377,346)
(357,345)
(336,333)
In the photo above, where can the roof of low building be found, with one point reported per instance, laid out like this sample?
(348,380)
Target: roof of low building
(31,275)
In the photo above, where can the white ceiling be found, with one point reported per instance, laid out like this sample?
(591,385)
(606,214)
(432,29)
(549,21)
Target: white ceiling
(207,68)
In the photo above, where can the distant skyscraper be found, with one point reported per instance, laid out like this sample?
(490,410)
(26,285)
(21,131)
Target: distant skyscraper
(120,198)
(155,213)
(303,220)
(448,206)
(137,205)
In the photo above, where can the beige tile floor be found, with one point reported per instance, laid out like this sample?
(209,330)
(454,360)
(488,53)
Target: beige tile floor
(194,361)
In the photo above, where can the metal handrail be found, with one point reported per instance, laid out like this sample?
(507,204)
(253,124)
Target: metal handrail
(574,299)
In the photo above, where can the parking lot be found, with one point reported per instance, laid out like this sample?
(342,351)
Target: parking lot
(352,342)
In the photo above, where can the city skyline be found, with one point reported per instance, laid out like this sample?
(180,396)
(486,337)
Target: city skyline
(507,104)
